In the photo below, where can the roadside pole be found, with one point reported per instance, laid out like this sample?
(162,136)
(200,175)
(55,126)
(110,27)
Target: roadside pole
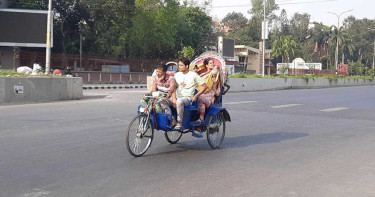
(264,35)
(48,42)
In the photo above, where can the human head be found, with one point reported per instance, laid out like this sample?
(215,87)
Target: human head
(183,64)
(160,70)
(209,63)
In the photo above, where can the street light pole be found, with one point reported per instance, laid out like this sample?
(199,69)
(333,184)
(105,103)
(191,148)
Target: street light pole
(373,57)
(338,33)
(48,42)
(264,35)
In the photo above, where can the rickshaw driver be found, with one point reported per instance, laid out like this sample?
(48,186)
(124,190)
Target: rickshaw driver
(163,83)
(186,82)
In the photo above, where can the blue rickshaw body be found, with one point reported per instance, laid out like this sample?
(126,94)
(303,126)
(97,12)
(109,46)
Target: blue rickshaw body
(163,121)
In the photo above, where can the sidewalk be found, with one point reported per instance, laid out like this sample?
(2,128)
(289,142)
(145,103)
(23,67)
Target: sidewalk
(112,86)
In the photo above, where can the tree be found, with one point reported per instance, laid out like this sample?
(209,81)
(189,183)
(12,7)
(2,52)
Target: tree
(285,47)
(238,27)
(235,21)
(187,52)
(154,27)
(346,46)
(284,23)
(194,28)
(299,26)
(257,9)
(108,29)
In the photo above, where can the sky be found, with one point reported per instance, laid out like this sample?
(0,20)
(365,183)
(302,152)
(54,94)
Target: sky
(316,8)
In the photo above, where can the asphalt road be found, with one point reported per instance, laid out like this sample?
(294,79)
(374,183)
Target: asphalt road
(316,142)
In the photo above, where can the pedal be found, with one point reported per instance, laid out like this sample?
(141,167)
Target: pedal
(198,135)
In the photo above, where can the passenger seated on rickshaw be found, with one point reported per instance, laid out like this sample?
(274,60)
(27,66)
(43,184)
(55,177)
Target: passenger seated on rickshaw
(164,83)
(212,79)
(186,82)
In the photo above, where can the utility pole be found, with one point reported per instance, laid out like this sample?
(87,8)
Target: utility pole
(373,58)
(48,42)
(337,36)
(264,34)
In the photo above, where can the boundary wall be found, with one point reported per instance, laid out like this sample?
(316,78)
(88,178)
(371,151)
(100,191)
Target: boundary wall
(39,89)
(258,84)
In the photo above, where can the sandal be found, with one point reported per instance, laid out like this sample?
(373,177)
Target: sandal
(178,126)
(198,121)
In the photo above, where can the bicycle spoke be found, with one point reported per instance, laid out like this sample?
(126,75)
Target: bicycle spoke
(139,135)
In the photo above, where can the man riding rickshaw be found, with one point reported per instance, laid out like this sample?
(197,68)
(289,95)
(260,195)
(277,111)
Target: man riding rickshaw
(199,111)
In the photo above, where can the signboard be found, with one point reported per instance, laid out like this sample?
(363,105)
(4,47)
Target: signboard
(24,28)
(18,89)
(226,47)
(265,31)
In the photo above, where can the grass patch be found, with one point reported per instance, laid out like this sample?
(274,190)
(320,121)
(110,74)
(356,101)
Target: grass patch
(12,73)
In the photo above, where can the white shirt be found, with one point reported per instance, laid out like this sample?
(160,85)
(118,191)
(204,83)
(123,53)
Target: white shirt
(186,84)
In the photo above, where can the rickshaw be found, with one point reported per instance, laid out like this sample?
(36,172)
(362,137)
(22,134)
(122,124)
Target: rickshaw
(140,132)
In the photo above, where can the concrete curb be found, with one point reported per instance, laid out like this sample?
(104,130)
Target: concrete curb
(97,87)
(259,84)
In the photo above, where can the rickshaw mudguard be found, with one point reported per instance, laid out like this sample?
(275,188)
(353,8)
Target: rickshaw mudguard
(215,110)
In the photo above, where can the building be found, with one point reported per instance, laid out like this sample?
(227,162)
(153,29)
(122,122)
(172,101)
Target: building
(251,59)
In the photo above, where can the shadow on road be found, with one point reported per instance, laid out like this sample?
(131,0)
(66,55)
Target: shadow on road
(232,142)
(243,141)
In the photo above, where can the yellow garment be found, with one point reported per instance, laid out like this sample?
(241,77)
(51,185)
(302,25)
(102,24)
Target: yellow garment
(209,82)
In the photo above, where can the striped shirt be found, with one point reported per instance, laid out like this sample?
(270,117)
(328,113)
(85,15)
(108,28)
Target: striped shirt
(164,85)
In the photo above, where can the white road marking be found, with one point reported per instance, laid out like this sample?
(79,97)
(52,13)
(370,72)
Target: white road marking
(284,106)
(240,102)
(36,193)
(333,109)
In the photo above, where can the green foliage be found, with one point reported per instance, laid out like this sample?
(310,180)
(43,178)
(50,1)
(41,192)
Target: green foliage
(285,47)
(299,26)
(162,28)
(11,73)
(187,52)
(257,9)
(357,68)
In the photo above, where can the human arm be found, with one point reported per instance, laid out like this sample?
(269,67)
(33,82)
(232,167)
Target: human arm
(218,91)
(202,83)
(172,87)
(204,87)
(154,86)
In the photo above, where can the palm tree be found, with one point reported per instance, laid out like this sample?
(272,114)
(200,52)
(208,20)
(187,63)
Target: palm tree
(346,46)
(285,47)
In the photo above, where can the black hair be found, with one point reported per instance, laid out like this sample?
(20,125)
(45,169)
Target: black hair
(206,61)
(163,67)
(185,61)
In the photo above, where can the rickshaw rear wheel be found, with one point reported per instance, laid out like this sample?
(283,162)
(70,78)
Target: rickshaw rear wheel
(215,130)
(173,136)
(139,135)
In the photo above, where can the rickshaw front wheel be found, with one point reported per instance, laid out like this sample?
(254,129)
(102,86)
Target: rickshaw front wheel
(173,136)
(139,135)
(215,130)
